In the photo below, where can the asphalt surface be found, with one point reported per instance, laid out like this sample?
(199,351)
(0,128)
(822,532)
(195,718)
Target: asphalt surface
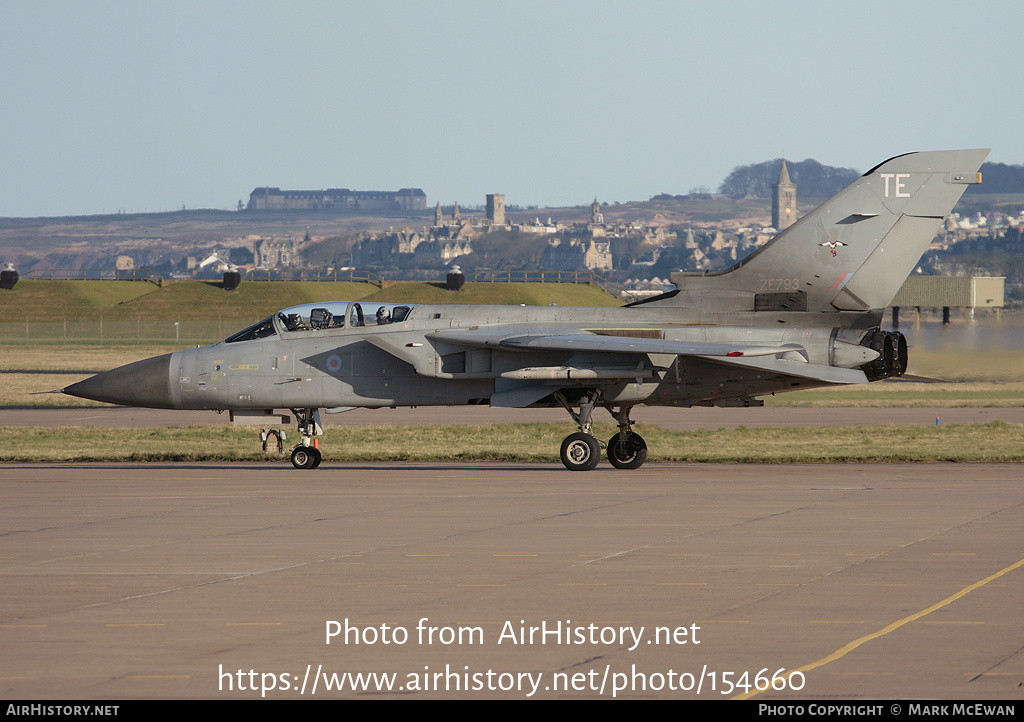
(183,580)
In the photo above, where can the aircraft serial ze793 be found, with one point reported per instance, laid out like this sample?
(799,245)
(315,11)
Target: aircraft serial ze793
(803,311)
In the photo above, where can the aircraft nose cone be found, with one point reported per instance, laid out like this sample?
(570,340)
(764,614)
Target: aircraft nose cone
(143,383)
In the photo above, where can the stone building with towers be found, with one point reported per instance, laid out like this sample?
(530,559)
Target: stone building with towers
(783,200)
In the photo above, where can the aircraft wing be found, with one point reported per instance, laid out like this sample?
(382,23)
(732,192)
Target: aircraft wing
(579,340)
(799,369)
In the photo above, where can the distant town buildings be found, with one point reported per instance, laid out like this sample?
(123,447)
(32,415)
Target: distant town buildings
(409,199)
(441,243)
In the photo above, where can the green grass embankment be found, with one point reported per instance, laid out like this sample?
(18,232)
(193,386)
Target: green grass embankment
(198,312)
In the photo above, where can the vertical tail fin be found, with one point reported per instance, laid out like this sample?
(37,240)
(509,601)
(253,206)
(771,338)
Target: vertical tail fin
(855,250)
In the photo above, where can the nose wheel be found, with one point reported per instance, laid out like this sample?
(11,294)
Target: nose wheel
(306,455)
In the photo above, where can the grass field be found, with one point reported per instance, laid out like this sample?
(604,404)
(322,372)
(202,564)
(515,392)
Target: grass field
(992,442)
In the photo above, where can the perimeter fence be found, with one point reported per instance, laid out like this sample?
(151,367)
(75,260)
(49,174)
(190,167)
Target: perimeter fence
(100,331)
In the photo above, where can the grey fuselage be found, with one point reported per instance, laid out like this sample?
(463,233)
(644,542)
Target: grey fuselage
(398,365)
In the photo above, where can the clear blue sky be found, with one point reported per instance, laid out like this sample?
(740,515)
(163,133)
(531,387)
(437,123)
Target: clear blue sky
(148,106)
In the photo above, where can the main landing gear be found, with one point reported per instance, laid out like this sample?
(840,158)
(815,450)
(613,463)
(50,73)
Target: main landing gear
(306,454)
(582,451)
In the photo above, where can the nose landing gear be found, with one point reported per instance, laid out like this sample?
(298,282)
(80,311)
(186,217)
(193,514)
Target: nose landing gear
(306,454)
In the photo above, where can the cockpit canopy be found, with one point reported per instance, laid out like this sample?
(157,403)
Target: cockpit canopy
(324,316)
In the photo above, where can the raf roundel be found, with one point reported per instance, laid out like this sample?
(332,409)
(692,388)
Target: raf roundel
(334,363)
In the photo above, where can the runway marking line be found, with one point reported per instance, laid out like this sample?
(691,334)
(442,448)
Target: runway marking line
(138,624)
(836,621)
(723,621)
(252,624)
(158,676)
(843,651)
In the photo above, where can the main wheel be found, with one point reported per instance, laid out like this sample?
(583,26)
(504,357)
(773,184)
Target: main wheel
(305,457)
(628,454)
(580,452)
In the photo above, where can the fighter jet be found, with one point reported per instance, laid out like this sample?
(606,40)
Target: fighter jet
(803,311)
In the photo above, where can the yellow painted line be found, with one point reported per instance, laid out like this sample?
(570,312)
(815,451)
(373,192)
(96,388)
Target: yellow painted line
(252,624)
(158,676)
(836,621)
(582,585)
(80,588)
(140,624)
(723,621)
(428,555)
(481,585)
(843,651)
(515,555)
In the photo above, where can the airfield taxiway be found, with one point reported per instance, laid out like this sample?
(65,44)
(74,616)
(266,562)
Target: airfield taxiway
(221,580)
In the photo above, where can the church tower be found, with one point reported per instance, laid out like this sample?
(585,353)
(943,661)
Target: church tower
(496,208)
(783,200)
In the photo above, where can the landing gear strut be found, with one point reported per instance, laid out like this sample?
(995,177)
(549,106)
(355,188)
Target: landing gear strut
(626,450)
(580,451)
(306,454)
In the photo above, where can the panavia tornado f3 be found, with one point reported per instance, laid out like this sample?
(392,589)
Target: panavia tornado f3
(803,311)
